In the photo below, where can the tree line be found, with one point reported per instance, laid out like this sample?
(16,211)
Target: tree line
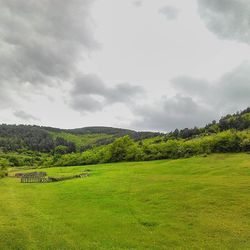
(126,149)
(238,121)
(17,137)
(230,134)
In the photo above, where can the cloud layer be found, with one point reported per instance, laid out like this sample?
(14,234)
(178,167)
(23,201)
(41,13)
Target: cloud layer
(91,94)
(197,101)
(44,56)
(25,116)
(228,19)
(137,3)
(170,12)
(231,91)
(41,42)
(171,112)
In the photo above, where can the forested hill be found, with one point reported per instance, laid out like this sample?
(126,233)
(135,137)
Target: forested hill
(36,146)
(119,132)
(238,121)
(46,139)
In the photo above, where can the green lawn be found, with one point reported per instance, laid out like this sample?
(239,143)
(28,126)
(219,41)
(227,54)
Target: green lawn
(196,203)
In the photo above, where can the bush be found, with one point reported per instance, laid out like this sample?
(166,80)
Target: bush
(228,141)
(119,149)
(3,172)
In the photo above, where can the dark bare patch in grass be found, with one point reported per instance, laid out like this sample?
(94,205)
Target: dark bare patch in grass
(148,223)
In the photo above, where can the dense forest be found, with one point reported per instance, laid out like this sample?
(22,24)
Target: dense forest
(43,146)
(47,140)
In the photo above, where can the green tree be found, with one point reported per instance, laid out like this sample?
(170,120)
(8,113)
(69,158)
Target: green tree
(61,150)
(119,149)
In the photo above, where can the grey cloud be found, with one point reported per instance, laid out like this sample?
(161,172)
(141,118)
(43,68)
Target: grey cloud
(190,85)
(230,92)
(6,100)
(25,116)
(88,84)
(170,113)
(234,86)
(42,41)
(198,101)
(228,19)
(200,89)
(3,99)
(90,93)
(84,103)
(123,93)
(137,3)
(170,12)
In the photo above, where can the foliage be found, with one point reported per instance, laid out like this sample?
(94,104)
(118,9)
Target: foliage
(44,139)
(120,148)
(21,145)
(3,168)
(126,149)
(60,149)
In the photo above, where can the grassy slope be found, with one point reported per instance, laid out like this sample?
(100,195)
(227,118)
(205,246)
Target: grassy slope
(81,140)
(185,204)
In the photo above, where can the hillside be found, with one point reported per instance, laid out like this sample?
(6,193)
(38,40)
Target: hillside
(46,139)
(22,145)
(196,203)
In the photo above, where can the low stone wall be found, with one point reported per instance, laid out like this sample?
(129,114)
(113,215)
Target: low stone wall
(45,179)
(25,179)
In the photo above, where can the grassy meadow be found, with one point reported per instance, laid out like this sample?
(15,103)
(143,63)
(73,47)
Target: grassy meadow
(195,203)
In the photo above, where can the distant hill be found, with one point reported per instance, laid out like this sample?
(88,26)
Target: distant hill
(118,132)
(46,139)
(93,130)
(22,145)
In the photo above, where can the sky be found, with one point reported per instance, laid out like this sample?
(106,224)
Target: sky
(139,64)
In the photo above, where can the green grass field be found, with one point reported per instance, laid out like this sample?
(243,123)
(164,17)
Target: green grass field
(196,203)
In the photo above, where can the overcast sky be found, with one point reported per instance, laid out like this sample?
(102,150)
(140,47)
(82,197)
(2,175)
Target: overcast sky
(140,64)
